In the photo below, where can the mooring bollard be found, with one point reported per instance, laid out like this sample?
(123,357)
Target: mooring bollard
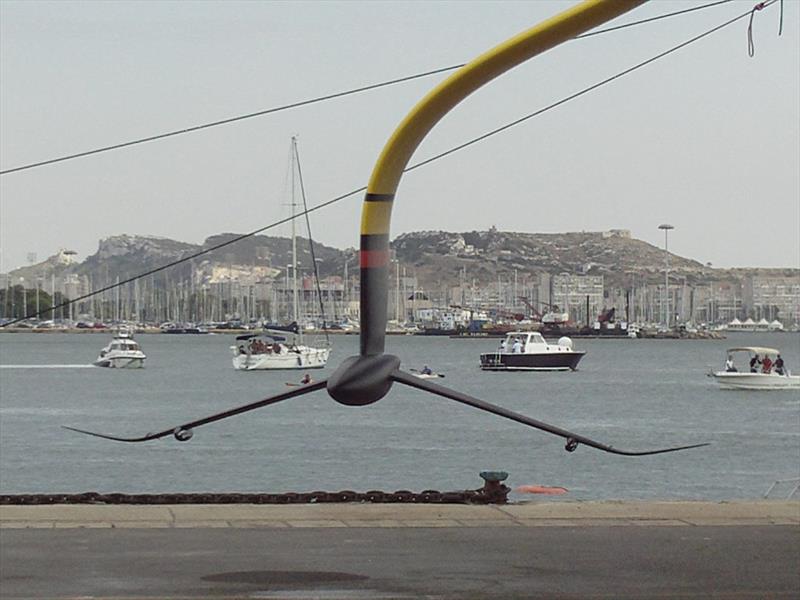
(493,488)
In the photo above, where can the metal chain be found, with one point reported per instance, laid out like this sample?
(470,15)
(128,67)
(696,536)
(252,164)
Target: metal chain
(489,494)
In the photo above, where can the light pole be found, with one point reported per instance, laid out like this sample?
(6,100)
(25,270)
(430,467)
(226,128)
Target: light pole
(710,298)
(666,227)
(24,297)
(397,291)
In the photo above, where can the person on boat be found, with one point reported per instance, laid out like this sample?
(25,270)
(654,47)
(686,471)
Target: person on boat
(754,362)
(517,347)
(779,368)
(729,366)
(503,345)
(306,379)
(766,365)
(426,370)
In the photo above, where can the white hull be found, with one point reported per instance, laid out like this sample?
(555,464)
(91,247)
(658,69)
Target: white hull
(303,358)
(122,353)
(533,354)
(507,368)
(756,381)
(121,362)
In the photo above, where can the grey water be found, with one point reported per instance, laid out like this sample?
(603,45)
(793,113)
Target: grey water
(632,394)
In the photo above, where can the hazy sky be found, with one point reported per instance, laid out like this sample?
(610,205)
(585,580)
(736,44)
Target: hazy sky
(705,139)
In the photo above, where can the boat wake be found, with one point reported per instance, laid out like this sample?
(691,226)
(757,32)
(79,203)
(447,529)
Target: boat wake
(46,366)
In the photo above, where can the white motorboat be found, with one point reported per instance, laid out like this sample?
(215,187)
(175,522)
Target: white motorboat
(122,353)
(529,351)
(762,371)
(270,351)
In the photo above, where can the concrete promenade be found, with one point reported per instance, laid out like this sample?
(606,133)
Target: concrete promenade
(558,550)
(533,514)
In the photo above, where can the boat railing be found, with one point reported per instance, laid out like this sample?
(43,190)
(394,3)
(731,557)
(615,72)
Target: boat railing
(493,358)
(793,487)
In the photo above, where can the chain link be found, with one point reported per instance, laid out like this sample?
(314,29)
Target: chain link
(490,494)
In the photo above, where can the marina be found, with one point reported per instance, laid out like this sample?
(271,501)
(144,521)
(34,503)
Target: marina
(661,480)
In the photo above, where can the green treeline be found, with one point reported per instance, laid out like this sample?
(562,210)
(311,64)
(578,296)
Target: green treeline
(18,301)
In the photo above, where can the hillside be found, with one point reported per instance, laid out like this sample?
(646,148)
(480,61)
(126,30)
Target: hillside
(435,258)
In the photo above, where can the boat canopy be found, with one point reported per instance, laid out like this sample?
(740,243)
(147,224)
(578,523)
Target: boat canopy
(755,350)
(293,327)
(263,336)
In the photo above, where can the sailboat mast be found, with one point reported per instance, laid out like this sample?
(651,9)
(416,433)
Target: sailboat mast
(295,311)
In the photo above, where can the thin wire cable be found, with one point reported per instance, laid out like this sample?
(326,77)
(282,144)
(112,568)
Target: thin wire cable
(326,97)
(751,48)
(408,169)
(651,19)
(259,113)
(585,90)
(311,241)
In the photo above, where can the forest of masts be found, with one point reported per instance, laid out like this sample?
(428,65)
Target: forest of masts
(155,300)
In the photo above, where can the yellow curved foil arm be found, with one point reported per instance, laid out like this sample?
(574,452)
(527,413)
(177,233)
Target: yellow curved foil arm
(377,209)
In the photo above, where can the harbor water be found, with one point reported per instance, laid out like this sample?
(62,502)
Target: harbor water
(633,394)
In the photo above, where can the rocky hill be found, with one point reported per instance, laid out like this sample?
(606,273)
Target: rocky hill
(435,258)
(438,255)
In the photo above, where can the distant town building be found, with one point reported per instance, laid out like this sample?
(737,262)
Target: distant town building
(773,298)
(573,293)
(623,233)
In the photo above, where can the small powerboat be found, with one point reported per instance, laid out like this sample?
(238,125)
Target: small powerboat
(426,373)
(764,371)
(122,353)
(529,351)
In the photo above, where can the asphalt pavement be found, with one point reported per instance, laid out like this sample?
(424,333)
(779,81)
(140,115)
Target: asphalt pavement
(555,550)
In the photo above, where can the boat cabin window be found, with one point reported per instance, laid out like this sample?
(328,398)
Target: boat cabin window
(524,338)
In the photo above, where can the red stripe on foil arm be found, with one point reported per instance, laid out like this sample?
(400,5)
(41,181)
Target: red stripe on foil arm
(374,258)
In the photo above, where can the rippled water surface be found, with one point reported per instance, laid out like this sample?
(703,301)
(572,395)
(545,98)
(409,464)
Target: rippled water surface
(633,394)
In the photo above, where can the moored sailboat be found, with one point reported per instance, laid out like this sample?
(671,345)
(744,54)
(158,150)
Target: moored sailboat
(283,347)
(277,349)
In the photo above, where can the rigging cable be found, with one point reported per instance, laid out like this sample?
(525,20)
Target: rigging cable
(231,119)
(311,242)
(410,168)
(320,98)
(751,48)
(651,19)
(587,89)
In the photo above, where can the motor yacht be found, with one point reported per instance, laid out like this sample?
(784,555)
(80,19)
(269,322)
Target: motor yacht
(529,351)
(121,353)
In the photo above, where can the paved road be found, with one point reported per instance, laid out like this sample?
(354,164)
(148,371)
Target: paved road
(330,552)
